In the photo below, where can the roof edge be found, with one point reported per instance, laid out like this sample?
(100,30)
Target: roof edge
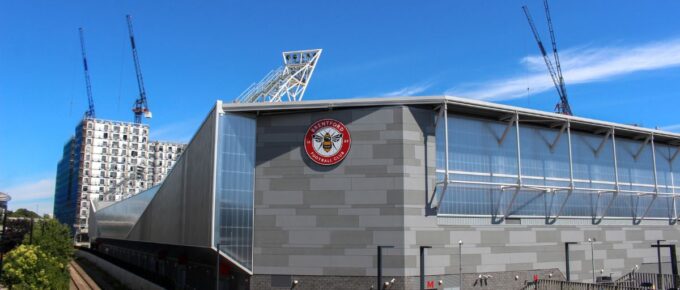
(435,100)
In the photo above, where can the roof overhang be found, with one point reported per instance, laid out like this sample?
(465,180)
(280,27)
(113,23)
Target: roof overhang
(462,106)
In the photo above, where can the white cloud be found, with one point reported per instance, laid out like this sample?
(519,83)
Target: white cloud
(407,91)
(672,128)
(41,207)
(176,132)
(32,195)
(579,66)
(32,190)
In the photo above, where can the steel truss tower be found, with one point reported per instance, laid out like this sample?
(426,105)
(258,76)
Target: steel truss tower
(287,83)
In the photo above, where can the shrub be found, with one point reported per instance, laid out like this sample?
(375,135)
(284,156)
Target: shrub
(53,238)
(28,267)
(41,262)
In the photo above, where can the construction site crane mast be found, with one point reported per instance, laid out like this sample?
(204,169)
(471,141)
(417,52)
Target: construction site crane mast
(88,86)
(555,71)
(141,106)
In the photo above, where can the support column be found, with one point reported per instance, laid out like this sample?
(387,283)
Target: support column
(422,266)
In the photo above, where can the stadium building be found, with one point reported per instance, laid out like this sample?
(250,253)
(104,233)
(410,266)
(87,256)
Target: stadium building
(412,192)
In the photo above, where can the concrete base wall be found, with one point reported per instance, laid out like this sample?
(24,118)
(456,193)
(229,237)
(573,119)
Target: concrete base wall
(129,279)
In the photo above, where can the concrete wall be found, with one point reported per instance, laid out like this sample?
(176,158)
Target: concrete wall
(127,278)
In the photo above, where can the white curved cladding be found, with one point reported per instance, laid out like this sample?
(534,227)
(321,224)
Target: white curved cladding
(117,220)
(176,212)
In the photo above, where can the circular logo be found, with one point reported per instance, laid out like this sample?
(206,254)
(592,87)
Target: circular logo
(327,141)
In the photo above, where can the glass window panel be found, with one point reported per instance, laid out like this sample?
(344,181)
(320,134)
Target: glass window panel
(235,187)
(483,170)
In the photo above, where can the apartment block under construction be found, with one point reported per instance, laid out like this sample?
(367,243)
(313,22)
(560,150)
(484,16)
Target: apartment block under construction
(108,160)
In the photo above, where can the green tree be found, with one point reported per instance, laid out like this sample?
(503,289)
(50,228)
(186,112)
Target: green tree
(24,213)
(15,231)
(28,267)
(41,262)
(53,238)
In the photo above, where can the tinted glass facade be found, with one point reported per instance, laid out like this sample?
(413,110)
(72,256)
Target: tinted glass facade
(235,170)
(65,198)
(525,168)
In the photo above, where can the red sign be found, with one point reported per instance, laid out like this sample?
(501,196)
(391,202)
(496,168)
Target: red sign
(430,284)
(327,141)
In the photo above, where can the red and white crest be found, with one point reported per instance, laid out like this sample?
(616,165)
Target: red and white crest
(327,141)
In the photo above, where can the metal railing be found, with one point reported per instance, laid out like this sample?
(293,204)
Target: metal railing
(565,285)
(645,280)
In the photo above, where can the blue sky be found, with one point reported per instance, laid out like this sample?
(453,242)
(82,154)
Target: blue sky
(621,62)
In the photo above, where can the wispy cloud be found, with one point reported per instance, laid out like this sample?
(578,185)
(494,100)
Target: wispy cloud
(407,91)
(30,194)
(579,66)
(672,128)
(31,190)
(177,132)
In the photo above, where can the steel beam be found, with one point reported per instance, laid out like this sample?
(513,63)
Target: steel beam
(675,154)
(512,120)
(519,151)
(445,115)
(571,172)
(656,179)
(446,142)
(616,177)
(506,213)
(559,135)
(644,214)
(642,146)
(604,140)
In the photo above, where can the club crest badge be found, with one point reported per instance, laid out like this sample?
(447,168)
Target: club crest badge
(327,141)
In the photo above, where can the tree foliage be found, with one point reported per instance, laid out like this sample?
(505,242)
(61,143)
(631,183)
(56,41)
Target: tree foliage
(28,267)
(15,230)
(41,262)
(53,238)
(24,213)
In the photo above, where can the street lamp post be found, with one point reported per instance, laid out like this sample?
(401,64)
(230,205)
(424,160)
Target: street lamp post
(566,254)
(422,266)
(460,263)
(380,248)
(674,262)
(592,256)
(658,256)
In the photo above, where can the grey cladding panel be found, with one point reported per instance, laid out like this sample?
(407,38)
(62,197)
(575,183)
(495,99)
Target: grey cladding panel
(317,219)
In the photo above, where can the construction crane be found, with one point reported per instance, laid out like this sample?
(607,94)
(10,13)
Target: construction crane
(555,71)
(90,101)
(141,106)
